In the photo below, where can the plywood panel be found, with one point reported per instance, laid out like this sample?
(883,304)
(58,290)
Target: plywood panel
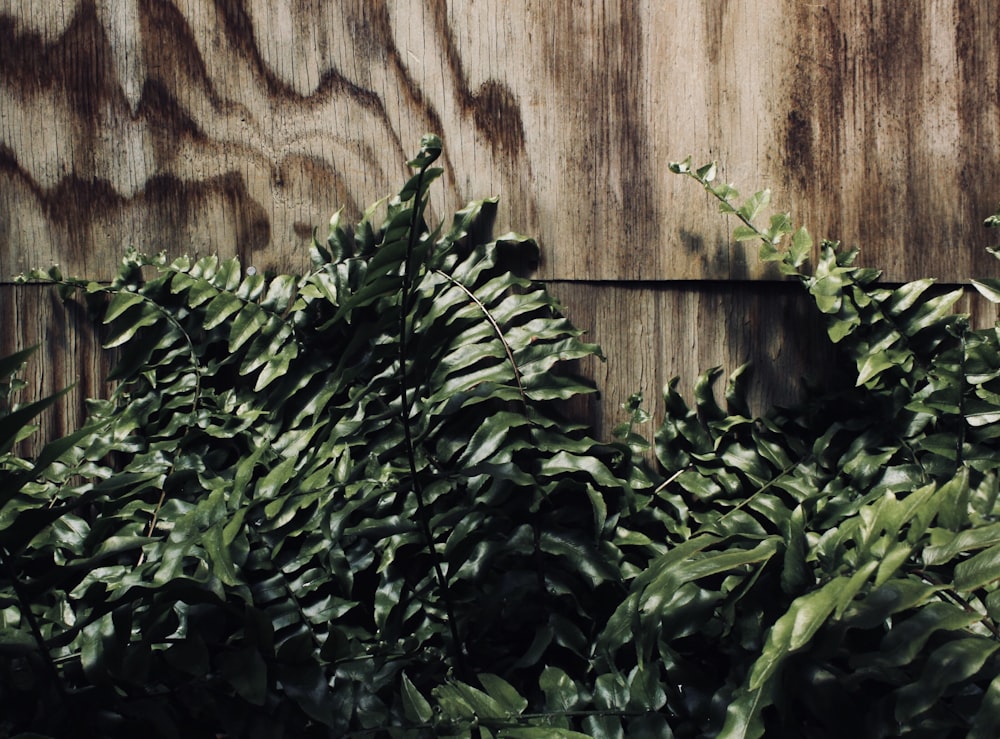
(235,127)
(68,355)
(652,333)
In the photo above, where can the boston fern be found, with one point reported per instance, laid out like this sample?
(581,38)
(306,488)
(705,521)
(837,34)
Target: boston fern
(348,503)
(312,498)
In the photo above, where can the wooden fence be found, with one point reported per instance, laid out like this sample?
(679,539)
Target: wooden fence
(236,126)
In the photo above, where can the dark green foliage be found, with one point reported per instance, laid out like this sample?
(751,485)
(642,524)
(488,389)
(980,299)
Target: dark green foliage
(321,484)
(346,503)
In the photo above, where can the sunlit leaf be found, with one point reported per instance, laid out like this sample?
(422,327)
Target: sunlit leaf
(417,708)
(989,288)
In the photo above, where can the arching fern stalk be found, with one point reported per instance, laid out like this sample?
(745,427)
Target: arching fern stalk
(331,491)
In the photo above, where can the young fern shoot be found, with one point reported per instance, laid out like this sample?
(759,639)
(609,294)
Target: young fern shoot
(789,260)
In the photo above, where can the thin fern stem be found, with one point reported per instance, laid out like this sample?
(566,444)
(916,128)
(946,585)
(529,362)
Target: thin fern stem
(497,330)
(422,509)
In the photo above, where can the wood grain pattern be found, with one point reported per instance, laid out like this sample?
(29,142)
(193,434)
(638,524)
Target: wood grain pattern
(236,126)
(653,333)
(68,355)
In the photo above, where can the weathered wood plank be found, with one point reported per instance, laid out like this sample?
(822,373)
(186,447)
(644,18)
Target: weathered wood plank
(653,333)
(216,126)
(69,355)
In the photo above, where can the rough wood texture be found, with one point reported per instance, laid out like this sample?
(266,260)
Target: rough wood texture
(652,333)
(237,126)
(69,354)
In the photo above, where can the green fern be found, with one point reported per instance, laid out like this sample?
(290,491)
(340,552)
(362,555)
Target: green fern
(329,481)
(347,503)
